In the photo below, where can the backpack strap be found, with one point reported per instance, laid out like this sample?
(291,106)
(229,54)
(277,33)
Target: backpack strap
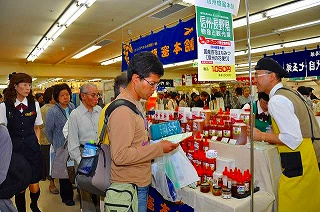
(116,103)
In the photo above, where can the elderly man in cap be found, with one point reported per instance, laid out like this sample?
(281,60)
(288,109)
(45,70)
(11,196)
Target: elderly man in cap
(227,96)
(294,126)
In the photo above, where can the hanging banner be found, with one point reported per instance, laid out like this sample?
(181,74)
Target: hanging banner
(156,203)
(171,45)
(216,60)
(300,64)
(229,6)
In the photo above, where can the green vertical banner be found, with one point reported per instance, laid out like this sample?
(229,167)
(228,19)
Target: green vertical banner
(216,60)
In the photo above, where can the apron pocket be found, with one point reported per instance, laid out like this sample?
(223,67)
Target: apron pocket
(292,164)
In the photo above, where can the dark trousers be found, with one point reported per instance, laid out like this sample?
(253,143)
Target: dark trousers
(66,190)
(45,152)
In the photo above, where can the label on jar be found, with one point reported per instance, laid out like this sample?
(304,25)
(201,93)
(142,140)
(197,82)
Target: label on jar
(212,132)
(205,133)
(196,145)
(232,141)
(247,186)
(236,130)
(219,133)
(241,189)
(226,133)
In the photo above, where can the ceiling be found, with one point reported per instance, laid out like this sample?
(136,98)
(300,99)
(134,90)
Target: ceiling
(23,23)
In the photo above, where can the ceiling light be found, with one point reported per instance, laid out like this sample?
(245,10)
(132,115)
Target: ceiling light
(244,72)
(34,78)
(291,8)
(299,26)
(252,19)
(245,65)
(72,12)
(279,46)
(3,86)
(179,64)
(302,42)
(114,60)
(276,12)
(266,48)
(85,52)
(93,80)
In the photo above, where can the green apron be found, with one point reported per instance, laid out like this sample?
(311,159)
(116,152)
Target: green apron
(261,125)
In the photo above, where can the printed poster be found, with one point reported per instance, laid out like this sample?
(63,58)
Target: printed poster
(216,60)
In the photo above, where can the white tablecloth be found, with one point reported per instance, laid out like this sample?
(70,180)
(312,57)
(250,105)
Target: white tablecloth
(205,202)
(267,167)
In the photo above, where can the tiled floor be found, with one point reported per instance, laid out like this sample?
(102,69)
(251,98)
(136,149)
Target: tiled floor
(49,202)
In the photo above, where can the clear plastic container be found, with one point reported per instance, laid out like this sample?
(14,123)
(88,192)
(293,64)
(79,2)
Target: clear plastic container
(89,150)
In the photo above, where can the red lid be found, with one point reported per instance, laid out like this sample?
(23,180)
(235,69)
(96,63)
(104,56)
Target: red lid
(198,135)
(220,111)
(225,171)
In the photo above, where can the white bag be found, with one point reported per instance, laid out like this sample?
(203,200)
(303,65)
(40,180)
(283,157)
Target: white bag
(177,168)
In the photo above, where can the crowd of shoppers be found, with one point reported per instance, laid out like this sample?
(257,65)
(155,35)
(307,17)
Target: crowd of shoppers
(30,131)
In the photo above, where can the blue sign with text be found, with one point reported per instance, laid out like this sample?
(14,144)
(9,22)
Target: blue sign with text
(300,64)
(171,45)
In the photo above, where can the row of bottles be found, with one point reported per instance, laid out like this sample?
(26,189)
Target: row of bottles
(232,183)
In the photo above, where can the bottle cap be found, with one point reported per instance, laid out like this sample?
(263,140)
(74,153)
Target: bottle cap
(91,141)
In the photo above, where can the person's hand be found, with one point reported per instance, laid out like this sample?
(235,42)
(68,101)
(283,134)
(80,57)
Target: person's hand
(257,134)
(168,146)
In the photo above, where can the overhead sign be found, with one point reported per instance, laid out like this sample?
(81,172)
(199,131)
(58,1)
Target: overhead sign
(229,6)
(300,64)
(171,45)
(216,60)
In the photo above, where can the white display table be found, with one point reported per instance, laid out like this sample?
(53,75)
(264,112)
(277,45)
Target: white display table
(267,167)
(203,202)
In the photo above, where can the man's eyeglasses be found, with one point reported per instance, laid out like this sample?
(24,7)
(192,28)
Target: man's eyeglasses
(152,84)
(256,75)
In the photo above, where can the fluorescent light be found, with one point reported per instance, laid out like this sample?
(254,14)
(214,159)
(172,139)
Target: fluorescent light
(276,12)
(302,42)
(34,78)
(68,14)
(76,15)
(252,19)
(280,46)
(299,26)
(239,53)
(179,64)
(3,86)
(266,48)
(67,18)
(85,52)
(93,80)
(59,32)
(114,60)
(291,8)
(245,65)
(244,72)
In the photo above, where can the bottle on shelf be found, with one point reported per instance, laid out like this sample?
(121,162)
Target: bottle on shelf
(239,132)
(220,128)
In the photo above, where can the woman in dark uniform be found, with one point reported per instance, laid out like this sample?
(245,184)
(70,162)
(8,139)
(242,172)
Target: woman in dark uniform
(23,117)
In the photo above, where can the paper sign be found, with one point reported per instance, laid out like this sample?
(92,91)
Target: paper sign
(224,140)
(232,141)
